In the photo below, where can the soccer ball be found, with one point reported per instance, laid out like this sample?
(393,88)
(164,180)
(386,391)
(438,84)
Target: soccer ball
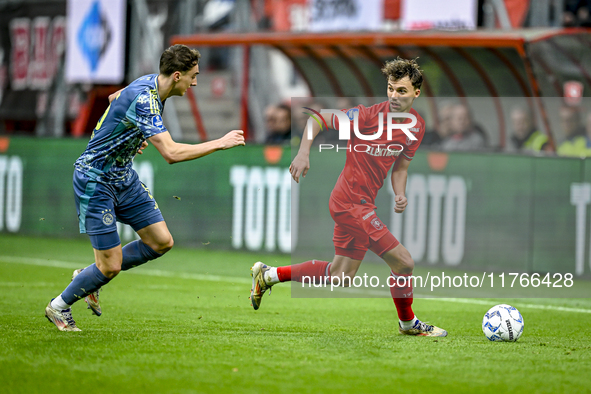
(502,323)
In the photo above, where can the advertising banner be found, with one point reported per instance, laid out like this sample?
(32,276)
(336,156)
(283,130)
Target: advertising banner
(466,211)
(227,200)
(327,15)
(96,41)
(442,15)
(32,43)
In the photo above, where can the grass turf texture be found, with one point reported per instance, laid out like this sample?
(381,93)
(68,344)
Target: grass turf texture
(166,330)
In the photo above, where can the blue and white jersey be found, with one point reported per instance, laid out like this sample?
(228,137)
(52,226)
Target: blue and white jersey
(134,116)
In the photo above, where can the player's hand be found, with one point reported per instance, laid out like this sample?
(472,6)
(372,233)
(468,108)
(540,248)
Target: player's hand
(299,166)
(144,146)
(232,139)
(401,203)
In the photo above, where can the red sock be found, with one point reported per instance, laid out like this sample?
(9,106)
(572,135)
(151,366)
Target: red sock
(284,273)
(313,268)
(402,296)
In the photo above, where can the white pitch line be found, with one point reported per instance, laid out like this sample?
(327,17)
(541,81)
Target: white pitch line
(141,271)
(217,278)
(520,305)
(473,301)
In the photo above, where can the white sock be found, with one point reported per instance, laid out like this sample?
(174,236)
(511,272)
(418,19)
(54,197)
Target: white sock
(271,276)
(59,304)
(407,325)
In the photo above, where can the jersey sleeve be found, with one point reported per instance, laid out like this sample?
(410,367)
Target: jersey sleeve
(361,112)
(144,112)
(412,146)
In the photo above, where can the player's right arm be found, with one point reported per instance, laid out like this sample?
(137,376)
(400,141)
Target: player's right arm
(398,178)
(301,163)
(174,152)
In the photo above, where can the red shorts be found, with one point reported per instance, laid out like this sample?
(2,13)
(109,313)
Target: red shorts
(357,228)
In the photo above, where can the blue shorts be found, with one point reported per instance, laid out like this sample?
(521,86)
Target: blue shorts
(101,205)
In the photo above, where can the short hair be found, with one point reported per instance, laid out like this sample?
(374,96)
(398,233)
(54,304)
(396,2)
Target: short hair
(286,108)
(527,111)
(178,58)
(400,68)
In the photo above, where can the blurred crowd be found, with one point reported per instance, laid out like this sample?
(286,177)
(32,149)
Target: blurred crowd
(576,13)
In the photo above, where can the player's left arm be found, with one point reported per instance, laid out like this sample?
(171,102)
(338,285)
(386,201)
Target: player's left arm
(142,147)
(398,178)
(174,152)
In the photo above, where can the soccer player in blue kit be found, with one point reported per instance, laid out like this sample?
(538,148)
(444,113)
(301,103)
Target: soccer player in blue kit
(107,189)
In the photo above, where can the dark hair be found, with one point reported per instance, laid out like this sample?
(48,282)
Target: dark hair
(285,107)
(400,68)
(178,58)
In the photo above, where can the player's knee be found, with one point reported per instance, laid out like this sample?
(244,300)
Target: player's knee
(165,244)
(110,270)
(113,272)
(400,263)
(407,265)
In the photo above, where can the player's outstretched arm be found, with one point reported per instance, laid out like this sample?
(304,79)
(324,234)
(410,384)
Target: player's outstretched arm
(174,152)
(301,163)
(399,175)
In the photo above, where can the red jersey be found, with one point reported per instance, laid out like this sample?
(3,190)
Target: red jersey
(368,162)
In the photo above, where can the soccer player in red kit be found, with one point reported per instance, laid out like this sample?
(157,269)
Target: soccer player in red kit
(357,227)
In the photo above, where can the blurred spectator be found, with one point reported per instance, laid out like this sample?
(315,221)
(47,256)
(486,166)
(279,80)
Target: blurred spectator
(526,138)
(433,138)
(576,13)
(278,123)
(465,134)
(270,118)
(575,144)
(344,103)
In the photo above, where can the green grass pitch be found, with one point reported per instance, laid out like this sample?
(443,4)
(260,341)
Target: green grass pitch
(184,324)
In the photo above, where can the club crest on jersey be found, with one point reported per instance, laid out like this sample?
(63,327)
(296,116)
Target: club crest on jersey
(351,113)
(157,121)
(377,224)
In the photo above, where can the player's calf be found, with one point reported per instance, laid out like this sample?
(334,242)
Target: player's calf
(92,300)
(137,253)
(84,283)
